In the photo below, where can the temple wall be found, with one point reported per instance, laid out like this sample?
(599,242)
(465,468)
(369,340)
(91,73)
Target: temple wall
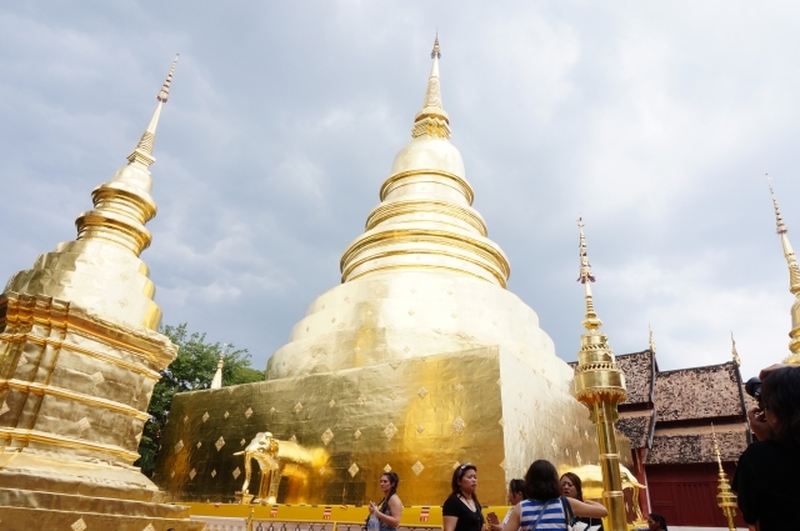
(418,417)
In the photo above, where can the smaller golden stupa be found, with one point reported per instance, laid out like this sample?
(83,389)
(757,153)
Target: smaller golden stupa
(79,356)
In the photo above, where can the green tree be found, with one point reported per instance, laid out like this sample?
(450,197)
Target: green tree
(193,369)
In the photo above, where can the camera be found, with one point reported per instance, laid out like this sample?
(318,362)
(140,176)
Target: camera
(753,388)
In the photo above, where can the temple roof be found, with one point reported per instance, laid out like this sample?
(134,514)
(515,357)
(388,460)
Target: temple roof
(640,371)
(696,445)
(699,393)
(671,412)
(638,427)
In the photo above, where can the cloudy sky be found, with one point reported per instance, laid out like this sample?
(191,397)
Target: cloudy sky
(654,121)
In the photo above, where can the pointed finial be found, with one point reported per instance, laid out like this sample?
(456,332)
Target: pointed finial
(586,277)
(216,382)
(651,342)
(435,53)
(726,499)
(432,120)
(597,377)
(734,353)
(794,280)
(163,94)
(143,154)
(781,226)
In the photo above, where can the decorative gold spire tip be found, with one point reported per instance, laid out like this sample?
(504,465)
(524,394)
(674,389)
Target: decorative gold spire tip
(432,120)
(163,94)
(781,226)
(650,340)
(734,353)
(436,53)
(585,274)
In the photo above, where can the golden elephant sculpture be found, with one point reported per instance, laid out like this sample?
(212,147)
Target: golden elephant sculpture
(276,459)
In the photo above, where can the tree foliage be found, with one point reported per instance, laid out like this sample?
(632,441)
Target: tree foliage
(193,369)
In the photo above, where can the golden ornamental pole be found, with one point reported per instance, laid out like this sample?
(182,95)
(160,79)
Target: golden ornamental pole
(600,386)
(794,281)
(726,499)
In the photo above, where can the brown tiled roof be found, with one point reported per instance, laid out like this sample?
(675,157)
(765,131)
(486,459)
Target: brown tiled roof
(639,369)
(638,427)
(696,445)
(699,393)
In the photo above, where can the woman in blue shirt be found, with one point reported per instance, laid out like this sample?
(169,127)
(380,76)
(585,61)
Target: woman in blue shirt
(543,508)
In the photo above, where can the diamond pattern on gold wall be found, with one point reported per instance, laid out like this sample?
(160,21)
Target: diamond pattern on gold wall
(379,418)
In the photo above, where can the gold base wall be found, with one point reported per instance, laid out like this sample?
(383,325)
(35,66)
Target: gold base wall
(24,510)
(418,417)
(74,390)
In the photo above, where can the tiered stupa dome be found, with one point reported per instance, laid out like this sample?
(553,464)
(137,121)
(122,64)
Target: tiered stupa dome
(110,239)
(423,278)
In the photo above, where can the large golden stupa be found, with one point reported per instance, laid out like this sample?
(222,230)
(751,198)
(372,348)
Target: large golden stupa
(419,361)
(79,356)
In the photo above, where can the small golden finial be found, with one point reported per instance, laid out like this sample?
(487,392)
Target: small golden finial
(432,120)
(436,53)
(651,342)
(143,154)
(734,353)
(585,274)
(781,226)
(216,382)
(726,499)
(163,94)
(586,277)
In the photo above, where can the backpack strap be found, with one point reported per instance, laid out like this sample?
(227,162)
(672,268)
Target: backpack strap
(571,518)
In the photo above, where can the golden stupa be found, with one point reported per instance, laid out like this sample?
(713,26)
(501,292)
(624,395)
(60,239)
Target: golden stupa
(419,361)
(79,356)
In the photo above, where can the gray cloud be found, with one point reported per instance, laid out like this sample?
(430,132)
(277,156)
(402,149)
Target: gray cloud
(654,122)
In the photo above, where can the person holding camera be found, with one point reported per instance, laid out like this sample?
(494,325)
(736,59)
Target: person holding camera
(766,479)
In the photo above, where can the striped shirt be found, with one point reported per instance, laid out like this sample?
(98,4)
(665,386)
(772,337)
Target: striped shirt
(553,517)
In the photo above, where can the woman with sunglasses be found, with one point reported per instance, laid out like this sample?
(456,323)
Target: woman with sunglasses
(461,511)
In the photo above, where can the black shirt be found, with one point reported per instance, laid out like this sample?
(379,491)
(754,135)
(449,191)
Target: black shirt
(767,485)
(468,520)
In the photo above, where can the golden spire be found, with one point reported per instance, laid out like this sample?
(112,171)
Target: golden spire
(597,376)
(216,382)
(794,279)
(432,120)
(425,221)
(123,205)
(100,271)
(734,353)
(585,277)
(600,386)
(143,154)
(726,499)
(651,342)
